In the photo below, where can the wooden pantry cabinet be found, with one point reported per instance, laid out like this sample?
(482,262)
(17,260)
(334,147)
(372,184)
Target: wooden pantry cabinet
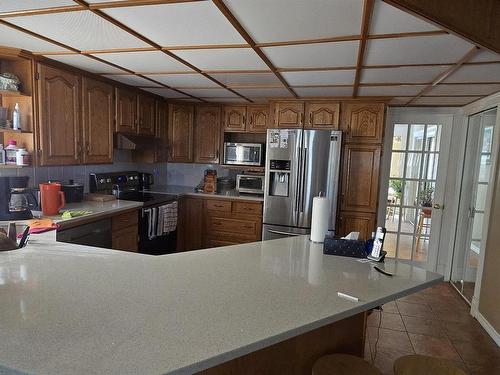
(320,114)
(180,133)
(246,119)
(287,114)
(207,134)
(363,122)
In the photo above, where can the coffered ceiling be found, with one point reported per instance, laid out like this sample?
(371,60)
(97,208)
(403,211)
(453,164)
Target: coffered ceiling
(245,51)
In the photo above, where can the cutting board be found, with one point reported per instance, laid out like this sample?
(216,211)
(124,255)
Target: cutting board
(99,197)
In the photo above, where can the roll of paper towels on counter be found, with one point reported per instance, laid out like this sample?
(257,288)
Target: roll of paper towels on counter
(320,215)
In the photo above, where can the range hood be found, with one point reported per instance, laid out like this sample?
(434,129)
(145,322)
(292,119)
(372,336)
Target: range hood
(136,142)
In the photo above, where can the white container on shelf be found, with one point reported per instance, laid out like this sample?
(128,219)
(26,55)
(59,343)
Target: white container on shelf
(16,118)
(10,152)
(22,157)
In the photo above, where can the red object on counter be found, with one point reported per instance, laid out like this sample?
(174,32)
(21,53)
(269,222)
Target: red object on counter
(52,199)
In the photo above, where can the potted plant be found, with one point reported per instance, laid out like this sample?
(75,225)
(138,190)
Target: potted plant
(425,198)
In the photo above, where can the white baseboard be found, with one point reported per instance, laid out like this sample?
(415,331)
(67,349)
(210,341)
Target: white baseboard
(486,325)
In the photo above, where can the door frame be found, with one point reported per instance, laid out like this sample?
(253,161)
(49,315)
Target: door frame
(431,112)
(491,102)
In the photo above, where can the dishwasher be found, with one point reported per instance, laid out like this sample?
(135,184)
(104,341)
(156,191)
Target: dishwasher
(97,233)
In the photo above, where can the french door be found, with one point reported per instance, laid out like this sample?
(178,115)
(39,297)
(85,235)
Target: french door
(414,197)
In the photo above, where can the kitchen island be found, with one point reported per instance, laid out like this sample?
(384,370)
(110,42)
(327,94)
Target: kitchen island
(81,310)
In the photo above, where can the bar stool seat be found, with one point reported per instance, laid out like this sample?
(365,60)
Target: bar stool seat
(421,364)
(343,364)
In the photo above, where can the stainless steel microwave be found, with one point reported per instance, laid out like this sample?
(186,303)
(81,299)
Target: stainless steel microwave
(249,183)
(243,153)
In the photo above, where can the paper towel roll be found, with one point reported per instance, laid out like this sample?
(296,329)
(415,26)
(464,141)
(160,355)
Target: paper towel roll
(319,222)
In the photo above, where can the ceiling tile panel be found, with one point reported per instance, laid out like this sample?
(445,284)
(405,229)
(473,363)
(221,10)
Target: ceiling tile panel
(318,55)
(323,91)
(390,90)
(211,93)
(484,56)
(285,20)
(166,93)
(476,73)
(387,19)
(17,39)
(264,92)
(471,90)
(444,100)
(82,30)
(223,59)
(420,74)
(196,23)
(184,80)
(16,5)
(145,61)
(247,79)
(323,77)
(132,80)
(226,100)
(86,63)
(437,49)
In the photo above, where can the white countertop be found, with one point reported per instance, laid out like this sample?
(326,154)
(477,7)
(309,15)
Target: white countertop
(189,191)
(75,309)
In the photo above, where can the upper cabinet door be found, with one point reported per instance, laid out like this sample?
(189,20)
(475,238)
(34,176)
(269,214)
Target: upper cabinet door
(363,122)
(207,134)
(147,115)
(258,118)
(322,115)
(235,118)
(59,113)
(288,114)
(161,154)
(360,178)
(98,117)
(126,111)
(180,133)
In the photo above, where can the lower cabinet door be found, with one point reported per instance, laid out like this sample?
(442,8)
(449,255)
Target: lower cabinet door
(364,223)
(125,239)
(190,224)
(215,242)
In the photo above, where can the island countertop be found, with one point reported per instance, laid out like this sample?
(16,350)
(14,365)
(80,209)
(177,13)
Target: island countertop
(75,309)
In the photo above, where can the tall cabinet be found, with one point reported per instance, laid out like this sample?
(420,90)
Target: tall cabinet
(362,125)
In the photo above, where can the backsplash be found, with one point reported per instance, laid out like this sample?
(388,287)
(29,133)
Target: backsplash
(187,174)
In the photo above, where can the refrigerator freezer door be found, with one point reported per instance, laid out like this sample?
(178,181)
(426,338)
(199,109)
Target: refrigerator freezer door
(272,232)
(282,145)
(319,173)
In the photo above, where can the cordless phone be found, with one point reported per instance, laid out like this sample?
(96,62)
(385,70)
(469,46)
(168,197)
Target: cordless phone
(377,253)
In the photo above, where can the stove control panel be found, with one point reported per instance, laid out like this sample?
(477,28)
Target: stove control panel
(105,182)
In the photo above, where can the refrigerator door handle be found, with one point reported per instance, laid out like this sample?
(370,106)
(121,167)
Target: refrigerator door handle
(303,180)
(298,189)
(283,233)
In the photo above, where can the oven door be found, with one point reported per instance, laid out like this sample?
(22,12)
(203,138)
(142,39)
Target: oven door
(243,153)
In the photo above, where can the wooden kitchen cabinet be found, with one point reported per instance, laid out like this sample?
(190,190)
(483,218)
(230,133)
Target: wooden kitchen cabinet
(98,121)
(125,231)
(147,115)
(161,152)
(190,224)
(207,134)
(288,114)
(364,223)
(360,177)
(180,133)
(59,111)
(363,122)
(126,111)
(258,118)
(322,115)
(235,118)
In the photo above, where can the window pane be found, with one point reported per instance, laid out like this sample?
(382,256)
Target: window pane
(395,192)
(405,244)
(413,165)
(433,137)
(482,190)
(484,168)
(420,249)
(416,140)
(397,164)
(430,166)
(390,244)
(399,138)
(487,139)
(408,220)
(392,218)
(410,193)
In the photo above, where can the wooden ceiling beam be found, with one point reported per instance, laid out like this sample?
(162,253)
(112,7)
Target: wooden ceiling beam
(244,34)
(155,45)
(448,72)
(365,29)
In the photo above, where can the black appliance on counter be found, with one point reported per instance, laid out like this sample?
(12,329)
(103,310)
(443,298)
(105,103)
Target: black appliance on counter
(131,186)
(16,200)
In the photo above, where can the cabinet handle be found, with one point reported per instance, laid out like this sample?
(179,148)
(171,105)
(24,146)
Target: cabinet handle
(87,149)
(276,116)
(301,119)
(244,119)
(218,205)
(251,119)
(310,118)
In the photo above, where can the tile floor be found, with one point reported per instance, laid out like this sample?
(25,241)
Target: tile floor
(434,322)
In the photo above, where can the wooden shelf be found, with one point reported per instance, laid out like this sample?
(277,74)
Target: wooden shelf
(12,166)
(13,93)
(7,130)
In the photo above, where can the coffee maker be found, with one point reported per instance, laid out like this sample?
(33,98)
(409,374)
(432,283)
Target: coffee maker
(16,199)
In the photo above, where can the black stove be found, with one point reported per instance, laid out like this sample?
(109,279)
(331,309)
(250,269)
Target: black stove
(149,199)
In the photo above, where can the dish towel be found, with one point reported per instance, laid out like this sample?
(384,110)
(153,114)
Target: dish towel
(169,217)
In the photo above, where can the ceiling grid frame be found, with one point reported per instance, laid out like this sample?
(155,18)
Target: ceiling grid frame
(368,6)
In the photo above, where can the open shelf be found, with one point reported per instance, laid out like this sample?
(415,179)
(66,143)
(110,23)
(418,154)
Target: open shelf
(8,130)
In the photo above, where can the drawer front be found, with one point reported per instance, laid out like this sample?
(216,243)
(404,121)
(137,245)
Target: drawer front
(238,227)
(247,208)
(216,205)
(125,220)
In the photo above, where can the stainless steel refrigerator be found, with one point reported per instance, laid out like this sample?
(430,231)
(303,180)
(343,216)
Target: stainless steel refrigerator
(299,165)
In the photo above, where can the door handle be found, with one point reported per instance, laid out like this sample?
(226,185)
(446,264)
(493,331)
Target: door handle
(283,233)
(437,206)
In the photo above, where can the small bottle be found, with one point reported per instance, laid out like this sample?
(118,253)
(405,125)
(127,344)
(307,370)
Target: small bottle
(2,155)
(22,157)
(16,118)
(10,152)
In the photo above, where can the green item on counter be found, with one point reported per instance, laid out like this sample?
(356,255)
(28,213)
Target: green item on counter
(74,213)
